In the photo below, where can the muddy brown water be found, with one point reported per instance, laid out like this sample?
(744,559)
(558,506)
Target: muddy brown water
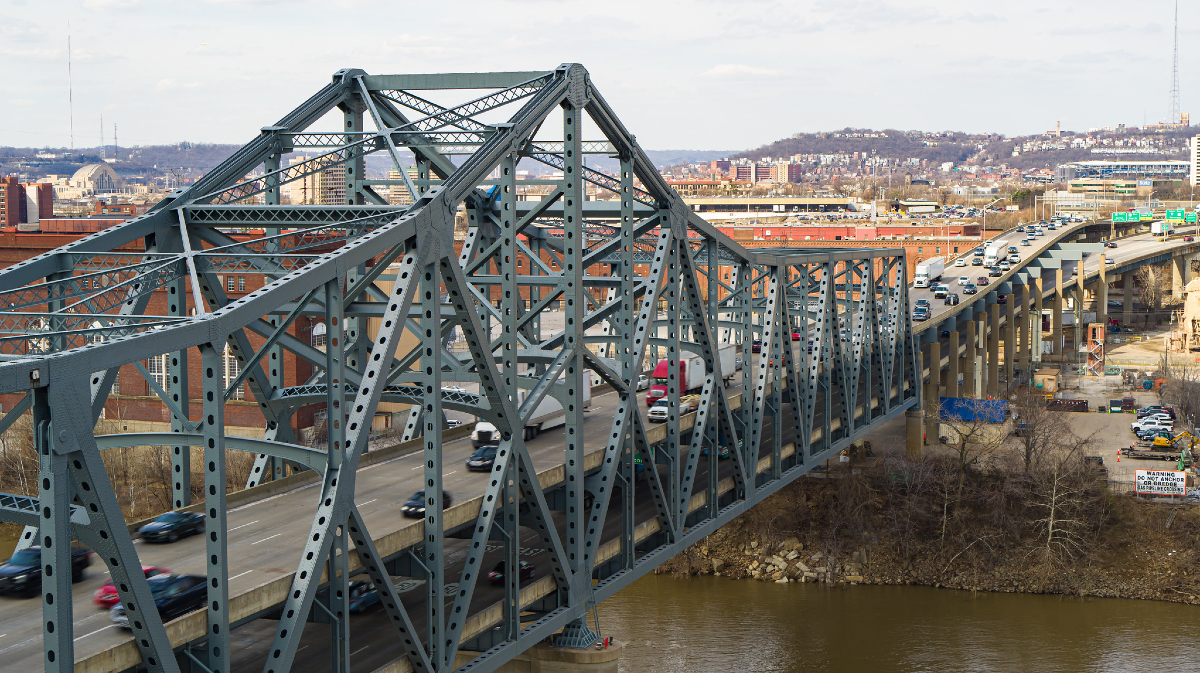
(713,624)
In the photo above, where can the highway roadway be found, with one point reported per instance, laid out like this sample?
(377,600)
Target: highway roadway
(266,538)
(1128,249)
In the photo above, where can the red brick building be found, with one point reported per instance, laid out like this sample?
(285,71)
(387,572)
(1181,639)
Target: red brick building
(15,198)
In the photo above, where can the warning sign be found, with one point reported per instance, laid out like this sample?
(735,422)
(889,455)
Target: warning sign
(1160,482)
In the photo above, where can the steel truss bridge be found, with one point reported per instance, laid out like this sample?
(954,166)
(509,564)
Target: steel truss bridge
(621,275)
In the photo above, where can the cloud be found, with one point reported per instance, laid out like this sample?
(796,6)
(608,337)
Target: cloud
(106,5)
(730,70)
(169,84)
(33,53)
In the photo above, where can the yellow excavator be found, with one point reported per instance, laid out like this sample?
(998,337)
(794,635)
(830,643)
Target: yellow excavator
(1184,440)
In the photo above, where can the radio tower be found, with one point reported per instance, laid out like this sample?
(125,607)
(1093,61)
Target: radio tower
(1173,113)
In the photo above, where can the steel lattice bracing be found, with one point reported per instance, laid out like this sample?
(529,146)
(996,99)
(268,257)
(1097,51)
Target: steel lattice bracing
(548,288)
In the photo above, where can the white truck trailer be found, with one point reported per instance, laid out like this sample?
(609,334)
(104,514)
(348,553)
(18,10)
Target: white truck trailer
(549,414)
(929,271)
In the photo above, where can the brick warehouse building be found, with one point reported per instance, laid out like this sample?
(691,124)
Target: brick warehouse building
(137,408)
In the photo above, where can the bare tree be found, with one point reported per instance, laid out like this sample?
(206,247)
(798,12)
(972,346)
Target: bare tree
(1063,490)
(1153,284)
(1039,431)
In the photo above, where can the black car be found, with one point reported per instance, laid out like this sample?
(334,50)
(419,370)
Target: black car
(978,261)
(482,459)
(22,574)
(995,272)
(1021,229)
(414,508)
(525,572)
(174,595)
(171,526)
(756,346)
(970,289)
(1002,299)
(952,299)
(1111,244)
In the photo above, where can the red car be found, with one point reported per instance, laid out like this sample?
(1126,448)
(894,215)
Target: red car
(1188,238)
(525,572)
(796,336)
(983,280)
(107,596)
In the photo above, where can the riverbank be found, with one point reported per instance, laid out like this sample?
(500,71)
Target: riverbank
(918,523)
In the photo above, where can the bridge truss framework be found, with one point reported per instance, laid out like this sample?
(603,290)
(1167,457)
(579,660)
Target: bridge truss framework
(626,274)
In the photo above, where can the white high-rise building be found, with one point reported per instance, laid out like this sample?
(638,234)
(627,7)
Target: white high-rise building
(1194,160)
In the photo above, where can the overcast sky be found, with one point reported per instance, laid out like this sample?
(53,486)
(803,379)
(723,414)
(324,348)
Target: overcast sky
(682,75)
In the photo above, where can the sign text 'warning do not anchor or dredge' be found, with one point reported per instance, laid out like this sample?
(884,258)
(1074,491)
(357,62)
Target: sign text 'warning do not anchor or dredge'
(1160,482)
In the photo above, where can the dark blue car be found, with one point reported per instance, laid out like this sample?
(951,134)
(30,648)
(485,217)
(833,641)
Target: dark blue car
(22,574)
(414,508)
(362,596)
(171,526)
(174,595)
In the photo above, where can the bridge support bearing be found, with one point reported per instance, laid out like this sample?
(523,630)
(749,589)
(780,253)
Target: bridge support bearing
(913,446)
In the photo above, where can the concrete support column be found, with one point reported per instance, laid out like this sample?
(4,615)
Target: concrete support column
(981,362)
(1023,319)
(993,356)
(1036,325)
(1010,336)
(1127,302)
(914,445)
(1056,333)
(1102,295)
(952,389)
(932,391)
(968,367)
(1177,272)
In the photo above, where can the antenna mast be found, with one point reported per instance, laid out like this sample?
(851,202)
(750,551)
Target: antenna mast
(70,89)
(1173,113)
(103,151)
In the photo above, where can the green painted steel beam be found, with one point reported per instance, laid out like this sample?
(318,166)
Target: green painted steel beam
(452,80)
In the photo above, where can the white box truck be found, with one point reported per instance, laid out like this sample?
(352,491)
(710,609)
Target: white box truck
(692,372)
(929,271)
(992,254)
(549,414)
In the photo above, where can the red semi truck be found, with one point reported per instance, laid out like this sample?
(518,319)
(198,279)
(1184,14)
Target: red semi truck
(691,373)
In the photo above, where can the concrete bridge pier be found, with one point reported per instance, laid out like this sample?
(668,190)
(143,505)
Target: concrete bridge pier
(1180,270)
(931,392)
(993,354)
(952,389)
(1056,331)
(1010,342)
(914,446)
(1024,328)
(1102,295)
(1127,302)
(543,658)
(968,369)
(1036,324)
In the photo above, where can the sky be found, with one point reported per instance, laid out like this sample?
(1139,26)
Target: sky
(720,75)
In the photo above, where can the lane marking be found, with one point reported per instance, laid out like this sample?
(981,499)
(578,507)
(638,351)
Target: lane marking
(266,538)
(240,574)
(358,650)
(243,525)
(94,632)
(367,502)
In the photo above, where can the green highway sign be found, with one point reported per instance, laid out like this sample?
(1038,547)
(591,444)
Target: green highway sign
(1175,214)
(1146,217)
(1120,217)
(1191,217)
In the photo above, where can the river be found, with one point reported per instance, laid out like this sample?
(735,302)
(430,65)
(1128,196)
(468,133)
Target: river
(703,624)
